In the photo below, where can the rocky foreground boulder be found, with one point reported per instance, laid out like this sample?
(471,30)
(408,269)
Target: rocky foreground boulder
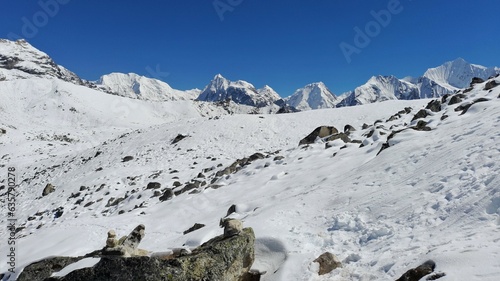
(221,258)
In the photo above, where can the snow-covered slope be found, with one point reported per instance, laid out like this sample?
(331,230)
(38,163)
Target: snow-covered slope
(139,87)
(241,92)
(380,88)
(428,195)
(312,96)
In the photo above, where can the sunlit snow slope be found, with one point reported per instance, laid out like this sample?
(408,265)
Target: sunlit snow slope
(430,195)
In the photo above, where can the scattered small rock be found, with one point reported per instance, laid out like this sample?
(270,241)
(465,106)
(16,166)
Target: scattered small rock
(456,99)
(419,272)
(58,212)
(434,106)
(231,210)
(178,138)
(153,185)
(127,158)
(476,80)
(49,188)
(327,262)
(490,85)
(320,132)
(422,113)
(196,226)
(167,195)
(348,129)
(278,158)
(421,126)
(231,227)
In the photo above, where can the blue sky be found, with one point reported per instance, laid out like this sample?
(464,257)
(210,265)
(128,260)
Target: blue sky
(284,44)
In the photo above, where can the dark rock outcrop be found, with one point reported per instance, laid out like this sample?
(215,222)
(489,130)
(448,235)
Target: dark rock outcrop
(490,85)
(422,113)
(456,99)
(476,80)
(41,270)
(167,195)
(434,106)
(320,132)
(219,259)
(421,126)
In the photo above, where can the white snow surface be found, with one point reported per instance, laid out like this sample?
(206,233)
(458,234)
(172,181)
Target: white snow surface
(83,263)
(430,195)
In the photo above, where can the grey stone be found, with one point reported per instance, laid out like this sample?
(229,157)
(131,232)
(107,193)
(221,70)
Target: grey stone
(343,136)
(127,158)
(490,85)
(476,80)
(153,185)
(434,106)
(421,126)
(49,188)
(167,195)
(327,262)
(457,98)
(319,132)
(422,113)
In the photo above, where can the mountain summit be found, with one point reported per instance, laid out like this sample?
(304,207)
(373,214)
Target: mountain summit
(312,96)
(242,92)
(19,60)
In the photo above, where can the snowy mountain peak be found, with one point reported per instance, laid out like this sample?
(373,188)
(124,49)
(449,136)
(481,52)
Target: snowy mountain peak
(241,92)
(134,86)
(436,82)
(19,59)
(312,96)
(458,73)
(380,88)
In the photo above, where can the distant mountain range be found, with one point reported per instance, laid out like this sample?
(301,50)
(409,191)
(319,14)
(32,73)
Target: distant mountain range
(23,60)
